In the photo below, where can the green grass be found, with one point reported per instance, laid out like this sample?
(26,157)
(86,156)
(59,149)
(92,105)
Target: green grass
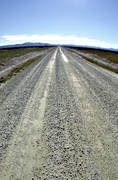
(5,78)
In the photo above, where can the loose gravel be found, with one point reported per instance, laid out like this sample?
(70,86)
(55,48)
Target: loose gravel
(59,121)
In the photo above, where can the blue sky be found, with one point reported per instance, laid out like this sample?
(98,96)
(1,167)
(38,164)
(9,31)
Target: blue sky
(89,22)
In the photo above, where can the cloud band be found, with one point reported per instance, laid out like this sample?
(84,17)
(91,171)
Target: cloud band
(56,39)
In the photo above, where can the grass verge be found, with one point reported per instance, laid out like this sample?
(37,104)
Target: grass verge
(9,53)
(100,64)
(110,55)
(5,78)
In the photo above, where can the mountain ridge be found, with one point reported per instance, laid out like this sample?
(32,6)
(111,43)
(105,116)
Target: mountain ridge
(39,44)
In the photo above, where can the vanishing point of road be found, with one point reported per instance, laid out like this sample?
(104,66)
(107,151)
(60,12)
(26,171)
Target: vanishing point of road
(59,120)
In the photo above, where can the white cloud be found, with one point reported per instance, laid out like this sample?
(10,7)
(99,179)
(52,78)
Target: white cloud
(54,39)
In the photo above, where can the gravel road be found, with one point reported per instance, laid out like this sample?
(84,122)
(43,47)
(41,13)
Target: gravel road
(59,120)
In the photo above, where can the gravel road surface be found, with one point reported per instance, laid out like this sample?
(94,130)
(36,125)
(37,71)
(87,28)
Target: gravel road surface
(59,120)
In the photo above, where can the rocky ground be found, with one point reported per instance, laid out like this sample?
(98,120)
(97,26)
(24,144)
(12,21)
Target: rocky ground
(59,120)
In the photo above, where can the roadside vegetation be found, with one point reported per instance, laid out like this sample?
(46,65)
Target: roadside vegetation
(111,56)
(100,64)
(4,78)
(9,53)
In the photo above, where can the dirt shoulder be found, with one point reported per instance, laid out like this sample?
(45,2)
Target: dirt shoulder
(9,64)
(107,60)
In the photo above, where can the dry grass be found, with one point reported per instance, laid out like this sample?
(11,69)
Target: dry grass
(7,54)
(3,79)
(99,64)
(110,55)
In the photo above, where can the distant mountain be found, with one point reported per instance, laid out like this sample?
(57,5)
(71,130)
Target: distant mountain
(27,44)
(30,44)
(90,47)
